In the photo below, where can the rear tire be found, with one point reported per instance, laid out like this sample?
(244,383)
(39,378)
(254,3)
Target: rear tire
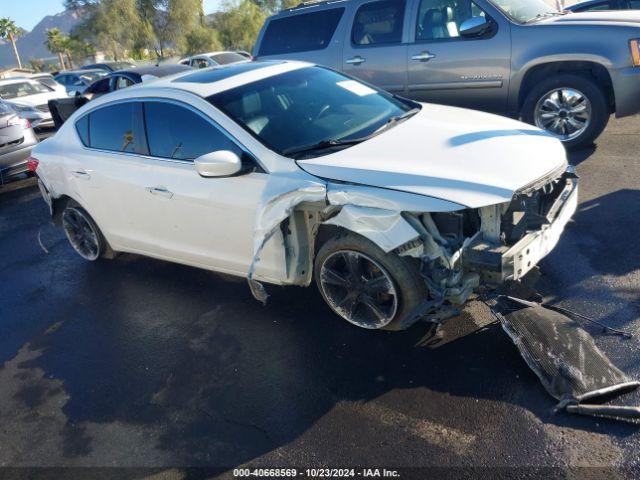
(83,233)
(551,101)
(366,286)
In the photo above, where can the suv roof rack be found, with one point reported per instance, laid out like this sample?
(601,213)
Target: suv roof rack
(313,3)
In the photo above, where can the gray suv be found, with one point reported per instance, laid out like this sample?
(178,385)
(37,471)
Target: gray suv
(564,72)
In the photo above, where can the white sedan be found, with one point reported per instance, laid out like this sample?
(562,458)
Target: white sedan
(30,99)
(287,172)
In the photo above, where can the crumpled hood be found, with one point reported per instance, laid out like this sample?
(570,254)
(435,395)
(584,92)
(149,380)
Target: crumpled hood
(613,17)
(463,156)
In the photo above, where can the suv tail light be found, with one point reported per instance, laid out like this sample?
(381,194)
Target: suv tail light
(32,164)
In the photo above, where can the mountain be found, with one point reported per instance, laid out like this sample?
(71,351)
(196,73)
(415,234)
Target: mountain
(32,45)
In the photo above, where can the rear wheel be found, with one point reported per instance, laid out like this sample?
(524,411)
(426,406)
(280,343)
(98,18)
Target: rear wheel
(366,286)
(82,232)
(570,107)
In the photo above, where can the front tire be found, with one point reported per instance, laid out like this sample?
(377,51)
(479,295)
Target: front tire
(366,286)
(571,107)
(82,232)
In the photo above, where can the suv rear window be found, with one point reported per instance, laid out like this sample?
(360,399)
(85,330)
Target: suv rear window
(300,33)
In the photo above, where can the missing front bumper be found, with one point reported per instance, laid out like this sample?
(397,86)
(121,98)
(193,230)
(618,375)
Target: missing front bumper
(498,263)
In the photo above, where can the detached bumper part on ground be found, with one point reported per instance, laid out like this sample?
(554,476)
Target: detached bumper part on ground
(566,359)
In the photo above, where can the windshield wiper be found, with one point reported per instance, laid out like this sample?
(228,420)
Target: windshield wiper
(321,145)
(331,143)
(397,119)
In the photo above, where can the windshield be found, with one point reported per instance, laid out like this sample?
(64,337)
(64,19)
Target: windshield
(524,11)
(21,89)
(91,77)
(310,110)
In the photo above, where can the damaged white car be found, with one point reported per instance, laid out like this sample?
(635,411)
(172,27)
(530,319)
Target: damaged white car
(287,172)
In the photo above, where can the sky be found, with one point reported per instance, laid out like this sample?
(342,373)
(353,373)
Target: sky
(27,13)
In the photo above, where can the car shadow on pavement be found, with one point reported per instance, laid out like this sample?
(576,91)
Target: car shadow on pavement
(216,379)
(150,363)
(577,156)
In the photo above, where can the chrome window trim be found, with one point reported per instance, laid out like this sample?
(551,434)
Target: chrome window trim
(170,101)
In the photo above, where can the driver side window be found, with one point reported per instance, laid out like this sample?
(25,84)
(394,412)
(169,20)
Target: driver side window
(441,19)
(177,133)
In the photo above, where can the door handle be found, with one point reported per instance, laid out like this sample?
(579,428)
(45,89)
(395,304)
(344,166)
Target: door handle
(160,191)
(81,174)
(423,56)
(357,60)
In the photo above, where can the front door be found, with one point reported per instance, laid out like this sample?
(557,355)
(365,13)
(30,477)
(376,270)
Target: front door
(375,48)
(446,68)
(203,221)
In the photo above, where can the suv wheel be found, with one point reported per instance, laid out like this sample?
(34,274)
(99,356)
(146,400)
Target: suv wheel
(83,233)
(570,107)
(366,286)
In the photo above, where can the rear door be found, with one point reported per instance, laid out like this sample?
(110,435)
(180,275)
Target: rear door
(107,175)
(446,68)
(375,47)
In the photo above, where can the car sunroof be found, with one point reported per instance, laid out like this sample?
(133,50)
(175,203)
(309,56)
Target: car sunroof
(220,73)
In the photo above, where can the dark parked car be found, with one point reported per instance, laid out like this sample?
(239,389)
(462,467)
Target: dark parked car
(594,5)
(78,80)
(109,66)
(64,108)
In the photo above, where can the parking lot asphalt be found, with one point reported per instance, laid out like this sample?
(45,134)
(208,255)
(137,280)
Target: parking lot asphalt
(138,362)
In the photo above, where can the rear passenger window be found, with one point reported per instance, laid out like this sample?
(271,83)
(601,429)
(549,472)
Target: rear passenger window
(112,128)
(178,133)
(300,33)
(379,23)
(82,127)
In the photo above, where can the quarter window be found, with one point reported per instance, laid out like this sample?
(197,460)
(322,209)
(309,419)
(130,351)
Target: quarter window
(112,128)
(82,127)
(300,33)
(379,23)
(441,19)
(178,133)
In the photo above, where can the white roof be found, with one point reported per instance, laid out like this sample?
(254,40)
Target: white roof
(243,77)
(9,81)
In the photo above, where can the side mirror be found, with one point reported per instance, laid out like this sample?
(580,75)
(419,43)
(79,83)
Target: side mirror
(222,163)
(474,26)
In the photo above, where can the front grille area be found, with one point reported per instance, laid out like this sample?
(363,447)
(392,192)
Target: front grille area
(12,143)
(43,108)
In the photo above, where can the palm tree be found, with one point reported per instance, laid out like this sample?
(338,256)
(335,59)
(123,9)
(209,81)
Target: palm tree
(9,31)
(57,43)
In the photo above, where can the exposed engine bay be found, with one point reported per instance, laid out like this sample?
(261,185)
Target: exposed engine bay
(459,251)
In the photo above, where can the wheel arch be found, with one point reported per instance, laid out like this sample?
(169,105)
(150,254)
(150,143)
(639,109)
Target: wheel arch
(587,68)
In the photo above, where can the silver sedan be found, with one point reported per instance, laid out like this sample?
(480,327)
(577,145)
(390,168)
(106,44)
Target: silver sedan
(17,138)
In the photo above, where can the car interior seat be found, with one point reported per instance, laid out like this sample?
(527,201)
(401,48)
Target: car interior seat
(251,109)
(433,24)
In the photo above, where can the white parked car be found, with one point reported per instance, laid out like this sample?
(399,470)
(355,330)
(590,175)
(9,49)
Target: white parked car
(30,99)
(214,59)
(286,172)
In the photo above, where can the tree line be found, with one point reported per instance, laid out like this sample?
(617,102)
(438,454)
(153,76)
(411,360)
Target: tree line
(152,29)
